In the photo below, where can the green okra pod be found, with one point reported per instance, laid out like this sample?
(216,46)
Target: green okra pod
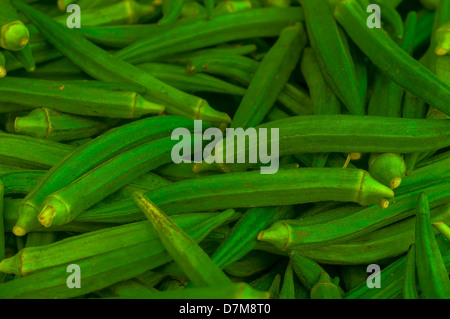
(21,182)
(253,263)
(30,152)
(262,22)
(270,77)
(242,238)
(49,124)
(387,168)
(332,53)
(103,270)
(252,189)
(396,63)
(92,154)
(443,229)
(25,57)
(75,99)
(64,205)
(2,65)
(102,66)
(195,263)
(2,223)
(409,288)
(295,234)
(14,34)
(431,271)
(171,10)
(287,288)
(340,133)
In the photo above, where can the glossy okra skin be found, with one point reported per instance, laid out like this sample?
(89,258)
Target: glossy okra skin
(14,34)
(262,22)
(93,154)
(385,54)
(76,99)
(102,66)
(271,76)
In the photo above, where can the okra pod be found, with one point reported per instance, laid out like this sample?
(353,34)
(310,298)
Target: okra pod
(49,124)
(396,63)
(262,22)
(443,229)
(93,154)
(14,33)
(431,271)
(270,77)
(333,55)
(295,234)
(64,205)
(409,287)
(102,66)
(253,263)
(287,288)
(2,225)
(195,263)
(74,99)
(388,168)
(171,10)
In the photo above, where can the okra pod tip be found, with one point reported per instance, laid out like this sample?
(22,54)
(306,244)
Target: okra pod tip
(14,36)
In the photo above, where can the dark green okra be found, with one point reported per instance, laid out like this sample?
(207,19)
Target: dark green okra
(409,287)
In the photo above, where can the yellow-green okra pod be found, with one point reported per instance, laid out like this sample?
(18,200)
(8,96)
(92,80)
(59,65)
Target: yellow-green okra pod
(14,34)
(271,76)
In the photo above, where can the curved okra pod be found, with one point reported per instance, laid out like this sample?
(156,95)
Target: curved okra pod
(262,22)
(387,168)
(194,262)
(385,54)
(308,234)
(49,124)
(431,271)
(333,54)
(64,205)
(75,99)
(409,287)
(271,76)
(102,66)
(252,189)
(92,154)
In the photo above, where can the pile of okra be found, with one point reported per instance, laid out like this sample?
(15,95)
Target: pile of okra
(349,100)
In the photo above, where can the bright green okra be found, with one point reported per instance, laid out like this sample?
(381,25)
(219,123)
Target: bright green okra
(92,154)
(410,288)
(271,76)
(396,63)
(76,99)
(443,229)
(387,168)
(14,33)
(102,66)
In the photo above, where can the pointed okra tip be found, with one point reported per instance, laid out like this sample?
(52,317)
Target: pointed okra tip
(277,235)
